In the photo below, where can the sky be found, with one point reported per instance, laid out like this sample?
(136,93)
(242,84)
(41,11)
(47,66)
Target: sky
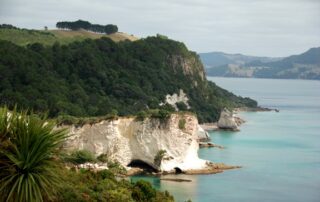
(274,28)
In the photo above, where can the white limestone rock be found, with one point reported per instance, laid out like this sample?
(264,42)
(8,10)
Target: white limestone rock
(93,166)
(227,120)
(127,139)
(175,98)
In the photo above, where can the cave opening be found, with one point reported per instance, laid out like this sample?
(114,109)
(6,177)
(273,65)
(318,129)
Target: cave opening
(143,165)
(178,170)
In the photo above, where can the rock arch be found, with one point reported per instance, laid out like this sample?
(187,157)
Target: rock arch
(178,170)
(137,163)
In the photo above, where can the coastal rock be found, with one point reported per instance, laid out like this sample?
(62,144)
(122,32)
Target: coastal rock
(209,144)
(128,139)
(227,120)
(212,168)
(203,135)
(209,126)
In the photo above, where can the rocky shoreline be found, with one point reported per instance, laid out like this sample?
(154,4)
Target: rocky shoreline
(254,109)
(126,134)
(211,168)
(228,121)
(209,144)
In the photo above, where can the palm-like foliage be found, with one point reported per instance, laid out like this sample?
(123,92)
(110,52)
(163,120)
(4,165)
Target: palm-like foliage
(28,153)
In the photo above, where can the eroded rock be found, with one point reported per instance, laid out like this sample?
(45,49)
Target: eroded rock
(203,135)
(227,120)
(128,139)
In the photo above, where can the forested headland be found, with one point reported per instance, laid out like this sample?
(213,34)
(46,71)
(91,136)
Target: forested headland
(99,77)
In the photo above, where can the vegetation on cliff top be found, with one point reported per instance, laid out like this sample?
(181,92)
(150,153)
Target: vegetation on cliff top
(98,77)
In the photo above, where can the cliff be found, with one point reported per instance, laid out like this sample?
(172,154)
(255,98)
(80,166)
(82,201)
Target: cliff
(128,139)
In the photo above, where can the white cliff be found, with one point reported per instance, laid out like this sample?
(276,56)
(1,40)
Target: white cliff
(128,139)
(227,120)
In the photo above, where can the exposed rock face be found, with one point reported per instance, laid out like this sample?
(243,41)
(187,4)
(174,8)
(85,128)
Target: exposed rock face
(227,120)
(202,134)
(191,66)
(127,139)
(175,98)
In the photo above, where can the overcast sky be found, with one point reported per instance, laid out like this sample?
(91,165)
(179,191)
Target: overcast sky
(254,27)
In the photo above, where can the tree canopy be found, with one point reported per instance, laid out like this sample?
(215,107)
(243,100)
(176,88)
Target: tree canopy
(98,77)
(81,24)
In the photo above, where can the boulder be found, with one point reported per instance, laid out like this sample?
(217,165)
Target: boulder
(227,120)
(203,135)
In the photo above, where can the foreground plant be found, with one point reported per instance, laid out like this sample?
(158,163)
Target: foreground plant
(28,157)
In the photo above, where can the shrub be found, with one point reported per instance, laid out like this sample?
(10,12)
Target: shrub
(181,106)
(106,174)
(143,191)
(103,158)
(103,186)
(28,157)
(80,157)
(116,167)
(159,156)
(182,124)
(66,120)
(142,115)
(160,114)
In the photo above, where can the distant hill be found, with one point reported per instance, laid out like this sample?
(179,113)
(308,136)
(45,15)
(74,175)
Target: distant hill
(215,59)
(24,37)
(303,66)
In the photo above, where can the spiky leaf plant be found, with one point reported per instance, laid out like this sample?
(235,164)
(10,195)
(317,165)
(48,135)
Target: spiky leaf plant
(28,157)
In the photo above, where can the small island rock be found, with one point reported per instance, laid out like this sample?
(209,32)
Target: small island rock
(227,120)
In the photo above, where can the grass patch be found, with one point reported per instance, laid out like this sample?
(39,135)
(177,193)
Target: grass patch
(80,121)
(79,157)
(24,37)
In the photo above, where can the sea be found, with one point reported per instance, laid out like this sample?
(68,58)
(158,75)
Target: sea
(279,151)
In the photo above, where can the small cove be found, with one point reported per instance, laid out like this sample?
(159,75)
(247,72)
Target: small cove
(279,152)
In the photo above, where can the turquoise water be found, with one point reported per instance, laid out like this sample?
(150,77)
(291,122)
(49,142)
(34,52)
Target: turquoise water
(279,152)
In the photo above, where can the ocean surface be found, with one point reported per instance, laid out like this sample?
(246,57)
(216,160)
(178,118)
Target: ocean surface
(279,152)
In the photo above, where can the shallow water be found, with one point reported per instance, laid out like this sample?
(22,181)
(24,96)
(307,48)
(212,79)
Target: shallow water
(279,152)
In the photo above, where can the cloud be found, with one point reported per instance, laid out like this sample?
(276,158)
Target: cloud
(256,27)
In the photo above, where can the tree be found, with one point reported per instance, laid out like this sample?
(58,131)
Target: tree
(81,24)
(159,156)
(28,151)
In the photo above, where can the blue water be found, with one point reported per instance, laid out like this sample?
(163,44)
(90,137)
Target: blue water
(279,152)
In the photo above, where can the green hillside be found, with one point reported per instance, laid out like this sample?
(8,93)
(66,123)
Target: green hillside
(24,37)
(99,77)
